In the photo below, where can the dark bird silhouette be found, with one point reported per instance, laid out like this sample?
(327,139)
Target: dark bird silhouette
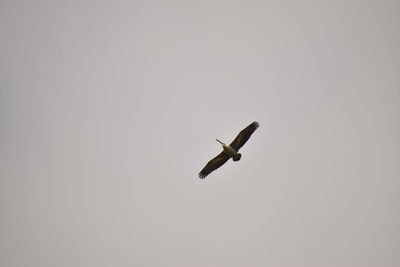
(230,151)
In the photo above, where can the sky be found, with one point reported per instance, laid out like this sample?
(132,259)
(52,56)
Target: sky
(109,110)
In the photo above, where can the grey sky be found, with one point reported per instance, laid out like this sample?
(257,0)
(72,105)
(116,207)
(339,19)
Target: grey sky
(109,109)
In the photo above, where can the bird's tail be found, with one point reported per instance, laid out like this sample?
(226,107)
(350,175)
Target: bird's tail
(237,157)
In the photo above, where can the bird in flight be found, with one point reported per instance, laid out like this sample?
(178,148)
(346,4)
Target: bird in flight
(230,151)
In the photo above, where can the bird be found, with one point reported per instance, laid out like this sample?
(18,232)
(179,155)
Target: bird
(230,151)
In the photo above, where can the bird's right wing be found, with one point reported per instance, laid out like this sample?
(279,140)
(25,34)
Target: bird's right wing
(244,135)
(214,164)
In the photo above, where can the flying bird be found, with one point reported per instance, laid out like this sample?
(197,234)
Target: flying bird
(230,151)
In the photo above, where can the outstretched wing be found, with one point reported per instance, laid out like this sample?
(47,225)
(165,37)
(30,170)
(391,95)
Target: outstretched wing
(244,135)
(214,164)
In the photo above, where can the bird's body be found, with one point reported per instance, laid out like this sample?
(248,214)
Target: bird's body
(230,151)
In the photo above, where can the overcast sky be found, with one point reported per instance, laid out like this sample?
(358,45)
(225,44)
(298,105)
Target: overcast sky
(109,109)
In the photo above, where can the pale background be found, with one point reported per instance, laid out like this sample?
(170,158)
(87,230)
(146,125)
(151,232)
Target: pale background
(109,110)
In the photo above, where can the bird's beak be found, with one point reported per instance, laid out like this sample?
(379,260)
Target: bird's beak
(219,142)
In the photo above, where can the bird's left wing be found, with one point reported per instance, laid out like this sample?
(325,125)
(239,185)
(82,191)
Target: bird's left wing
(244,135)
(214,164)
